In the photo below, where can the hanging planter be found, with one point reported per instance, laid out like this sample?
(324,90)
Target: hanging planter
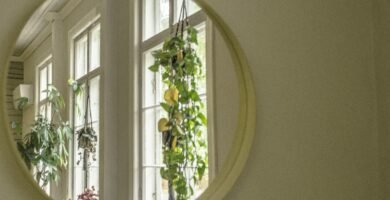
(86,137)
(184,145)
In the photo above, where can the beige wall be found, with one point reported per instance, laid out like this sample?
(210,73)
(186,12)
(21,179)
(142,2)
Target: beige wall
(312,63)
(313,68)
(14,79)
(226,99)
(14,184)
(382,62)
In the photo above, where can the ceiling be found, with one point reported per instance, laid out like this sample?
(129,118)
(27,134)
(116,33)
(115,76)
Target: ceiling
(35,24)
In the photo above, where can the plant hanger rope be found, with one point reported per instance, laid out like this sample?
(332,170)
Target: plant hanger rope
(87,137)
(183,20)
(88,106)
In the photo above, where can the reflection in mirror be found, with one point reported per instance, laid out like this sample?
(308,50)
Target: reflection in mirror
(188,97)
(180,158)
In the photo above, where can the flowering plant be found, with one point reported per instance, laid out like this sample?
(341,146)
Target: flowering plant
(88,194)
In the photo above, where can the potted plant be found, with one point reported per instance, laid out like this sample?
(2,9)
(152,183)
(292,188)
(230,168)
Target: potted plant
(44,147)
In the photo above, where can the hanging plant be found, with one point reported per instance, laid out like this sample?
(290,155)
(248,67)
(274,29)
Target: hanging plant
(44,147)
(86,137)
(184,146)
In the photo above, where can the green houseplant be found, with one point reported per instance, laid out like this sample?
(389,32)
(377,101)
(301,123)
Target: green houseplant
(184,146)
(44,147)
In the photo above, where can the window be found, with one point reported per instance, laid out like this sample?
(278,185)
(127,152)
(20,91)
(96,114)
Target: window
(157,20)
(86,71)
(44,81)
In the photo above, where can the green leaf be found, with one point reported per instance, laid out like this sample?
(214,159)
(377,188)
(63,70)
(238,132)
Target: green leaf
(192,35)
(154,68)
(203,118)
(194,95)
(165,106)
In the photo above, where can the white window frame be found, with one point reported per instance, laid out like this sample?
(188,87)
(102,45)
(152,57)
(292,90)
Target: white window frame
(84,27)
(46,63)
(195,19)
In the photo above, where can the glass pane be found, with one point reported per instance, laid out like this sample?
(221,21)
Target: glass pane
(49,74)
(42,110)
(155,17)
(81,54)
(191,6)
(79,109)
(201,51)
(94,178)
(95,48)
(48,111)
(150,187)
(94,97)
(148,81)
(78,181)
(149,137)
(43,83)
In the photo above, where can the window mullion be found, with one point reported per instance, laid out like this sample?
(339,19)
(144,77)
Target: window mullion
(171,15)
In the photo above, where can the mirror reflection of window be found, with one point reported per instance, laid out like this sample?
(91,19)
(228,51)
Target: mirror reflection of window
(44,80)
(86,69)
(44,108)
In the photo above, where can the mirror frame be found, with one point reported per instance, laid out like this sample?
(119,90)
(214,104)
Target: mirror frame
(245,131)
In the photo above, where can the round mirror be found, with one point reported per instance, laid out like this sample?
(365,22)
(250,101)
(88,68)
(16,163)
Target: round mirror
(195,99)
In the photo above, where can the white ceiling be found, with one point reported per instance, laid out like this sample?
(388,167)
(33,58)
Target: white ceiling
(35,24)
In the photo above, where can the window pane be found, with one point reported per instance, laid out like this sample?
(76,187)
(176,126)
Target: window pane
(43,83)
(42,110)
(48,111)
(78,181)
(95,48)
(149,176)
(191,6)
(94,178)
(149,81)
(94,97)
(79,109)
(49,74)
(149,137)
(155,17)
(201,51)
(81,54)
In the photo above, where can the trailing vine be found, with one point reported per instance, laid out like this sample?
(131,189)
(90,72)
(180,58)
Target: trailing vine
(184,145)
